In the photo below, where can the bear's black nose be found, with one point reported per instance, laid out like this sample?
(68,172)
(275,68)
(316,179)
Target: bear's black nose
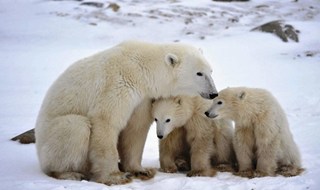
(206,113)
(213,95)
(160,136)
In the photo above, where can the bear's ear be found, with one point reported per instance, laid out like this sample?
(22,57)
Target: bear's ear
(242,95)
(171,59)
(177,100)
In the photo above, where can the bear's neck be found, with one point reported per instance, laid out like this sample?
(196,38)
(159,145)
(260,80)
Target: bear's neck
(158,83)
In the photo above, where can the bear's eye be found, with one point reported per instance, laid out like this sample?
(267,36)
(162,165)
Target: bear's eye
(199,74)
(220,102)
(156,119)
(168,120)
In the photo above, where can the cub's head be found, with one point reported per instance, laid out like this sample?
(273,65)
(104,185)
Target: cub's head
(170,113)
(226,104)
(192,73)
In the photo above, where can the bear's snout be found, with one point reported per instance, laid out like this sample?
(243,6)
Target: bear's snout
(213,95)
(160,136)
(210,115)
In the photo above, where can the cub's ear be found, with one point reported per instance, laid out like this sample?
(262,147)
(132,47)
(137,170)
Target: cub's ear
(177,100)
(242,95)
(171,59)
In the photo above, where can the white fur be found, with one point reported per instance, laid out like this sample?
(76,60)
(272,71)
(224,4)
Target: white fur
(187,134)
(262,138)
(88,106)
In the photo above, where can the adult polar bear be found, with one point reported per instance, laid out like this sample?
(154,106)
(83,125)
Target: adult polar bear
(89,105)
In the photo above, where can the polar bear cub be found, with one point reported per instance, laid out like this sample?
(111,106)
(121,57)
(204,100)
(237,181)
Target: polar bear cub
(184,131)
(96,99)
(262,138)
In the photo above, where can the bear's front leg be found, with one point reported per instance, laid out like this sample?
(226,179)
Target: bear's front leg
(130,150)
(103,154)
(201,150)
(132,140)
(168,166)
(182,164)
(266,155)
(167,156)
(243,143)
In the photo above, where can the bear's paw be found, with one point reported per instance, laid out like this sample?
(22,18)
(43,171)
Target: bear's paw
(224,168)
(146,174)
(206,172)
(289,171)
(116,178)
(182,165)
(245,173)
(172,169)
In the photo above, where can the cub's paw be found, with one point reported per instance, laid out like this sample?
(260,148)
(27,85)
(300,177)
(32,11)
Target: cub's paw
(289,171)
(224,168)
(245,173)
(115,178)
(206,172)
(145,174)
(172,169)
(182,165)
(258,173)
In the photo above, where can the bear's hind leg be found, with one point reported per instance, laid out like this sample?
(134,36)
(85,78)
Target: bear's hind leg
(62,145)
(289,170)
(289,164)
(68,175)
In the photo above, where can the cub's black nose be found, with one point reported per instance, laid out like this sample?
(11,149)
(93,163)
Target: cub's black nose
(160,136)
(206,113)
(213,95)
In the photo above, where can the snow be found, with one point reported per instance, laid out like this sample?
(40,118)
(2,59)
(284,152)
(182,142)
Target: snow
(39,39)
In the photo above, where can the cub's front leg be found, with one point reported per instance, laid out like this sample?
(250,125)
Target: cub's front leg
(174,152)
(201,150)
(243,143)
(268,145)
(167,154)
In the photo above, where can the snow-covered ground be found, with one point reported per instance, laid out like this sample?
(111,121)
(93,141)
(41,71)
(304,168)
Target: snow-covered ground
(39,39)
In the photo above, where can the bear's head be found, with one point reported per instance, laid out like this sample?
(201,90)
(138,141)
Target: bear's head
(226,104)
(170,113)
(191,73)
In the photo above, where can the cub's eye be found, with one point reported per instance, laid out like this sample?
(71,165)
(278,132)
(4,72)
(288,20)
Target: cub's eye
(168,120)
(199,74)
(156,119)
(219,102)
